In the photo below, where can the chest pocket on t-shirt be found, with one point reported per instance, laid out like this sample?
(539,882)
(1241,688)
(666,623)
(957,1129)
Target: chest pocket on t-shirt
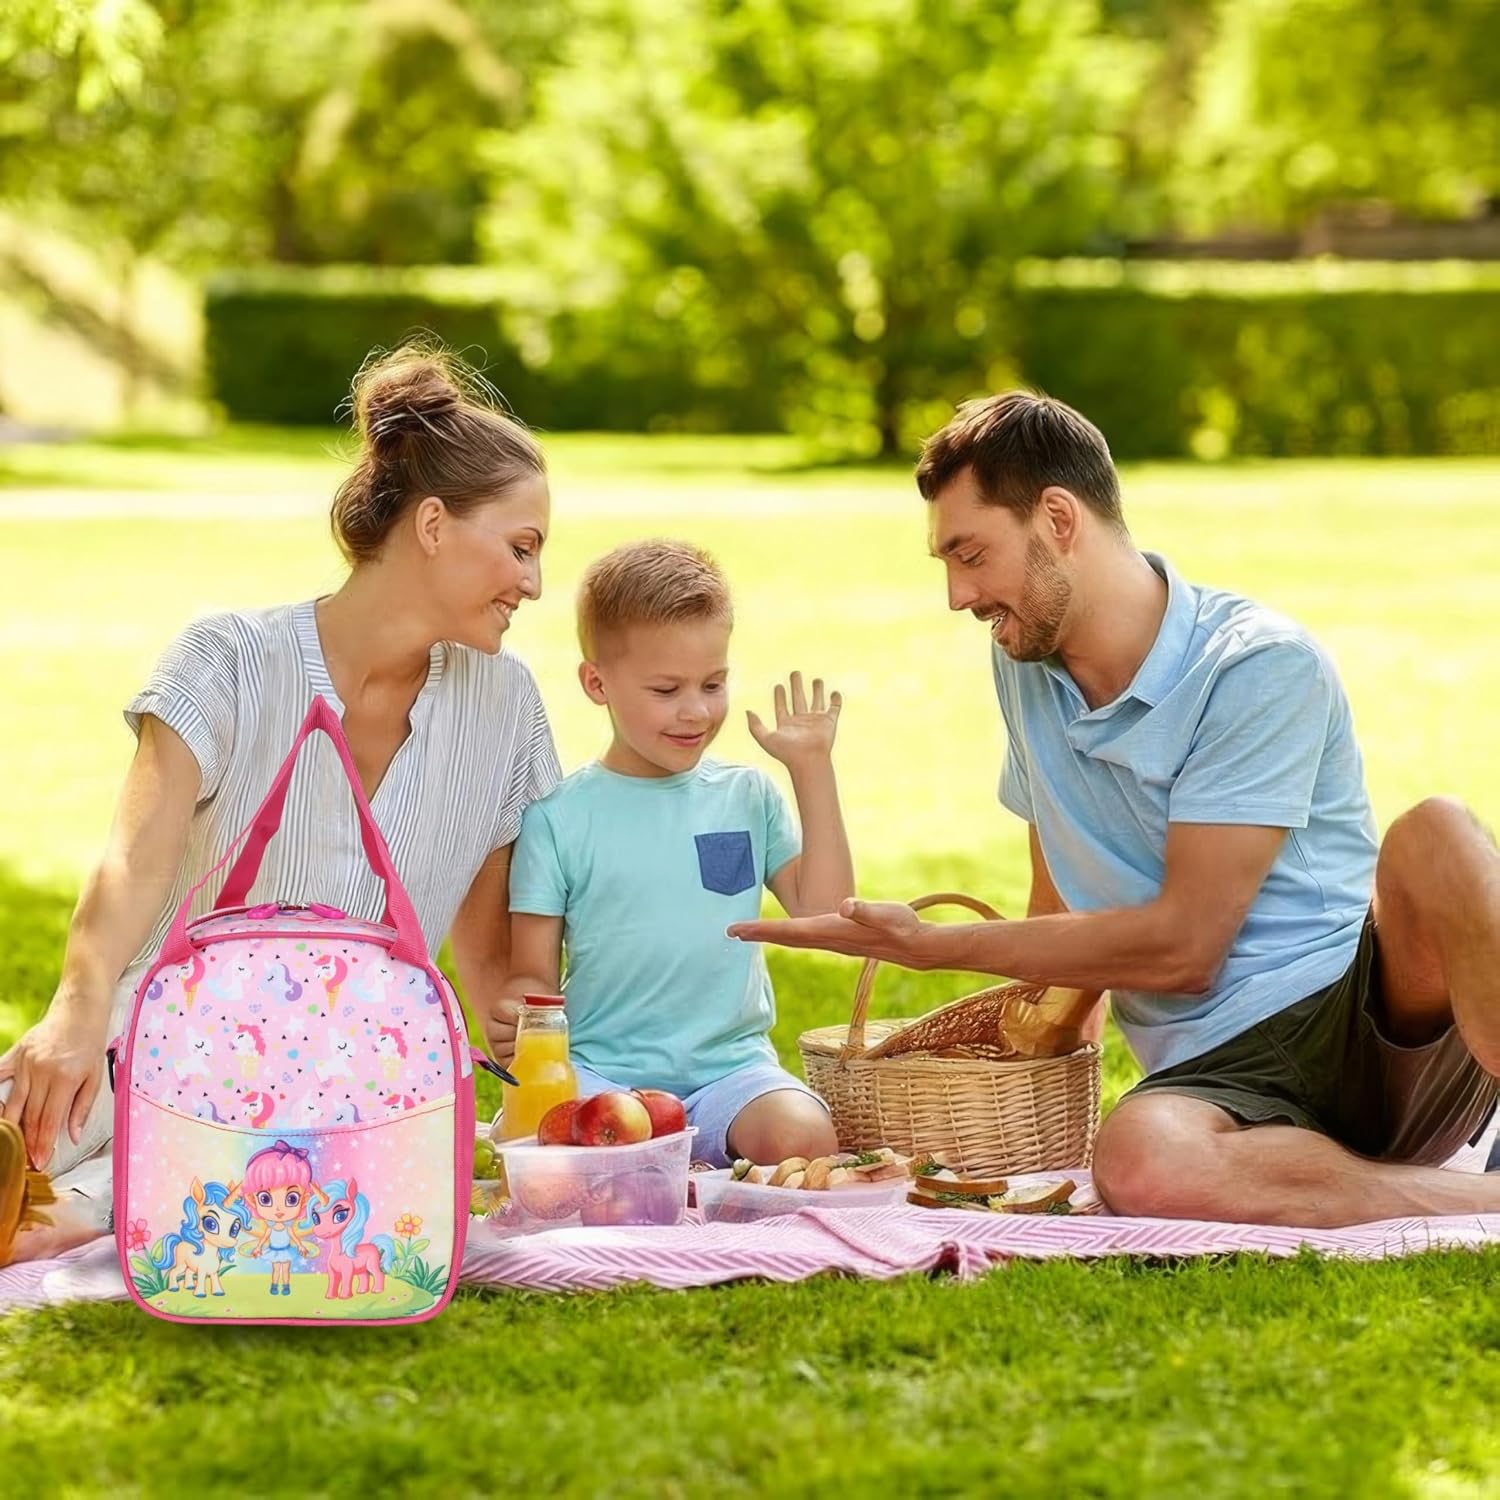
(726,862)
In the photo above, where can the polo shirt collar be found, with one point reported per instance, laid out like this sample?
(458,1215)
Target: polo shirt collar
(1160,672)
(1162,668)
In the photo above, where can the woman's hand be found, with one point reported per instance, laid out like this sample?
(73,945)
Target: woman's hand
(56,1067)
(806,732)
(55,1071)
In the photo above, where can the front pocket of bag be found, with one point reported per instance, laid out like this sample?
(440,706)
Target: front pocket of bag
(726,862)
(199,1241)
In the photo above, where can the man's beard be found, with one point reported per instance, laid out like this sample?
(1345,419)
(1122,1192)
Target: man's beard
(1042,608)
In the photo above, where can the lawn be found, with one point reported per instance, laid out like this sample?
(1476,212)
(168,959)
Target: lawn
(1220,1379)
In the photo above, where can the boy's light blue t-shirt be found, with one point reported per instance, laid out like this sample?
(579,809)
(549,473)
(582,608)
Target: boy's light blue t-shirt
(646,874)
(1235,716)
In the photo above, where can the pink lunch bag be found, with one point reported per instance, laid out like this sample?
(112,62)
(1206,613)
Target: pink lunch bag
(294,1104)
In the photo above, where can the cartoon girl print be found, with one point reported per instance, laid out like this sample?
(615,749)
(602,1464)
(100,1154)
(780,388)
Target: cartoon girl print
(278,1190)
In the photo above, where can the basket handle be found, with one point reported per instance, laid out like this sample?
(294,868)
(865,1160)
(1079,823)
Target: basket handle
(854,1044)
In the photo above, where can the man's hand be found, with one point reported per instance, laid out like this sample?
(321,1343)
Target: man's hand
(500,1030)
(888,930)
(805,733)
(55,1069)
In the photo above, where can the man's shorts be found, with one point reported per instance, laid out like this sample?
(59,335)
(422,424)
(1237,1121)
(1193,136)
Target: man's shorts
(1325,1064)
(713,1108)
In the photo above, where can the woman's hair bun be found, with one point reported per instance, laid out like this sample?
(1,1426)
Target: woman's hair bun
(403,394)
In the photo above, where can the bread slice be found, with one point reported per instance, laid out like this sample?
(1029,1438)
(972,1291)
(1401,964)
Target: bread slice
(1036,1199)
(967,1187)
(922,1198)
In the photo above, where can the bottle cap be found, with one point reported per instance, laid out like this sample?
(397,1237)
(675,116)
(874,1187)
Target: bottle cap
(544,1001)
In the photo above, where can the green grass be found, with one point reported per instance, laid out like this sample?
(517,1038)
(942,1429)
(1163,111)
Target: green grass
(1217,1379)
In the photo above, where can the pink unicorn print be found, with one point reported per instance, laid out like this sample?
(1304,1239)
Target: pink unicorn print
(191,973)
(199,1050)
(249,1046)
(390,1048)
(340,1057)
(396,1104)
(333,972)
(351,1258)
(256,1108)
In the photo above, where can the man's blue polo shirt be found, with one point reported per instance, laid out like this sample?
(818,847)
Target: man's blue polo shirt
(1235,716)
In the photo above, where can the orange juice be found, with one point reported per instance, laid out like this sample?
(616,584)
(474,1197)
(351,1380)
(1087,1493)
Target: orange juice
(544,1075)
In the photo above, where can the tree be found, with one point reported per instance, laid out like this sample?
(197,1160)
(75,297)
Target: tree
(827,194)
(1300,104)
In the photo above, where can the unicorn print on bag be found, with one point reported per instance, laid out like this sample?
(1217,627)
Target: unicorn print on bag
(390,1048)
(420,986)
(199,1050)
(351,1258)
(333,972)
(231,984)
(346,1112)
(256,1109)
(279,984)
(307,1111)
(199,1251)
(396,1104)
(373,984)
(249,1046)
(204,1110)
(338,1063)
(191,974)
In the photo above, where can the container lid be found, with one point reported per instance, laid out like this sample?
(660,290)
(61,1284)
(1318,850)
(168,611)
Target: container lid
(544,1002)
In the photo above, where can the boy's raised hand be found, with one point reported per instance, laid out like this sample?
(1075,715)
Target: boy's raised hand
(804,732)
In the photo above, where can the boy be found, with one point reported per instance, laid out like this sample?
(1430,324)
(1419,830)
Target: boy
(637,863)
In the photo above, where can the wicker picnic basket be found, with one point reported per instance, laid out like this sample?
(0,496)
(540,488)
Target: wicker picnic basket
(950,1085)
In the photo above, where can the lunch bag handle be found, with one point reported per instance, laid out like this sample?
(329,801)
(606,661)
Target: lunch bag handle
(410,945)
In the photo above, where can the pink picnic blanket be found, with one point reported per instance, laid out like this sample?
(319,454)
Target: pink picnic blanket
(875,1242)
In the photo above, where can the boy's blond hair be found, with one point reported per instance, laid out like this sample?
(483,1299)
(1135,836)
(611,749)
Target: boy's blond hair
(656,582)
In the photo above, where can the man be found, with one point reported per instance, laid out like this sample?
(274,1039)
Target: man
(1318,1015)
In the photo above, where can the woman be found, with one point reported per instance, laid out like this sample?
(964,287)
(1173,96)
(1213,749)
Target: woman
(442,521)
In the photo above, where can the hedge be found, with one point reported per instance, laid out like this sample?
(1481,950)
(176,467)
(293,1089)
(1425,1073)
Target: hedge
(1265,359)
(282,344)
(1170,359)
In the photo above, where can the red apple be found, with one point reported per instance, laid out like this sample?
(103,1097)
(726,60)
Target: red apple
(666,1111)
(612,1119)
(556,1128)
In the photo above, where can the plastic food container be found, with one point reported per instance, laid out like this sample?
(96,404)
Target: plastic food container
(561,1187)
(722,1199)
